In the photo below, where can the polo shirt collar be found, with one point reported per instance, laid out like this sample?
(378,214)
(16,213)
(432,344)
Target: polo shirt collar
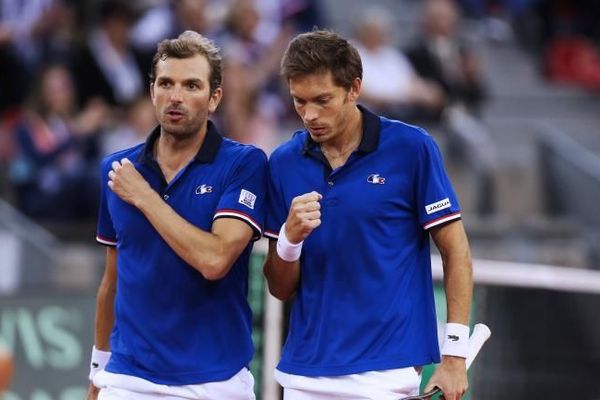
(206,154)
(370,136)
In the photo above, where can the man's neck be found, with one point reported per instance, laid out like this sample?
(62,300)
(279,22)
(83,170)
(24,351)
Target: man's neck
(173,152)
(350,137)
(338,151)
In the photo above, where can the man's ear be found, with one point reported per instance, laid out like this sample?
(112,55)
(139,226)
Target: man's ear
(152,93)
(354,91)
(215,99)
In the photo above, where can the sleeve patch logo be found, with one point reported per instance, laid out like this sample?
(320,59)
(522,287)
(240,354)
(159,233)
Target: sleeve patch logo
(247,198)
(440,205)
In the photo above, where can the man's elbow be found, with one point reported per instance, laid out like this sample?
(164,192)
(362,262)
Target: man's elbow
(281,293)
(215,269)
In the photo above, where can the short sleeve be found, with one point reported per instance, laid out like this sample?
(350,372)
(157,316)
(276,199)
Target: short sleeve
(245,194)
(277,208)
(105,233)
(436,200)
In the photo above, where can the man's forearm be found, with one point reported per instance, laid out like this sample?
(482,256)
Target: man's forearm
(282,276)
(105,317)
(452,242)
(211,253)
(458,284)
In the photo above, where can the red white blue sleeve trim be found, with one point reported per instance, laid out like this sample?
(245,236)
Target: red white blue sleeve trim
(239,215)
(442,220)
(271,234)
(105,241)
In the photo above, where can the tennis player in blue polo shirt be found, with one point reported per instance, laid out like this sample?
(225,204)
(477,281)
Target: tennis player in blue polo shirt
(353,201)
(178,215)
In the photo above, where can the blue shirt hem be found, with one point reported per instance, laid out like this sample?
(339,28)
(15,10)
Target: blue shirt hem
(355,368)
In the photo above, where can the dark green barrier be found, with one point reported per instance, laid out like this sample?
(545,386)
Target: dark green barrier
(50,337)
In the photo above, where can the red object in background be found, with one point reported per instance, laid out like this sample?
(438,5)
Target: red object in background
(574,60)
(8,120)
(6,370)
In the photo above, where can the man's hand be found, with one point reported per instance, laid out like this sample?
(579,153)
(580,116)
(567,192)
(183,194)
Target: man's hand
(128,183)
(304,216)
(451,377)
(92,392)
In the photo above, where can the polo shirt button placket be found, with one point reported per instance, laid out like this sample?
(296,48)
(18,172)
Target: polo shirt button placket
(330,183)
(166,196)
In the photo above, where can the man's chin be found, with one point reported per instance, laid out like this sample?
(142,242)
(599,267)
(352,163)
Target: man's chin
(177,130)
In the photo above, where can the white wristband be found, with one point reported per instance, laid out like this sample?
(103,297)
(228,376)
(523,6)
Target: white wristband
(456,340)
(99,360)
(289,252)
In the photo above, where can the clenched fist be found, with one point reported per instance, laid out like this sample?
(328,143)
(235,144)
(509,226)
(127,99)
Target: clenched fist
(304,216)
(127,182)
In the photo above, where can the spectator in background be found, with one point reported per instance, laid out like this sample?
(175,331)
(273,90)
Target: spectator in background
(303,14)
(390,84)
(442,56)
(107,67)
(251,112)
(29,32)
(53,171)
(138,119)
(169,19)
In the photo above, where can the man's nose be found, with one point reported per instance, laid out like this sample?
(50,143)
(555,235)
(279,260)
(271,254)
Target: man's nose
(310,113)
(176,95)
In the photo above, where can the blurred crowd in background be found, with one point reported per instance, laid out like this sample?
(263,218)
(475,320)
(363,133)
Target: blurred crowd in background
(74,86)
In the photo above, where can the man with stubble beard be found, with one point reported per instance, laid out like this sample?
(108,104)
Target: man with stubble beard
(178,215)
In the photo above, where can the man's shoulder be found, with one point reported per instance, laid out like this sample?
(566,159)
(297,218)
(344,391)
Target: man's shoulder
(237,150)
(131,153)
(402,132)
(290,148)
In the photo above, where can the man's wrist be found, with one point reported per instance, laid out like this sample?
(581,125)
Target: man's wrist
(456,340)
(98,361)
(145,200)
(286,250)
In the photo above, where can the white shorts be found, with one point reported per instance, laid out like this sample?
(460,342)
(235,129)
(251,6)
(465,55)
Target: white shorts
(389,384)
(126,387)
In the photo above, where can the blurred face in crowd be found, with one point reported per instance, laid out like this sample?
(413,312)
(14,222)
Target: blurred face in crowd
(181,95)
(141,116)
(244,19)
(192,14)
(374,30)
(57,91)
(324,107)
(440,18)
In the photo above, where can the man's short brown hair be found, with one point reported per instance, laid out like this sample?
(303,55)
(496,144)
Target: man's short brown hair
(321,51)
(187,45)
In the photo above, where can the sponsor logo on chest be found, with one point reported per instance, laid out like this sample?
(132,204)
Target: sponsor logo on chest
(376,179)
(203,189)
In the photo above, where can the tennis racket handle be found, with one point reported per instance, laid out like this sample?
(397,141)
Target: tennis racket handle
(480,334)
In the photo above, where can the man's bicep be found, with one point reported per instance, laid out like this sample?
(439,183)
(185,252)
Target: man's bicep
(450,236)
(110,270)
(234,233)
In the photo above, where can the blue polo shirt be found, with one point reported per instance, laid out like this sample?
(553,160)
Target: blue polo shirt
(365,298)
(173,326)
